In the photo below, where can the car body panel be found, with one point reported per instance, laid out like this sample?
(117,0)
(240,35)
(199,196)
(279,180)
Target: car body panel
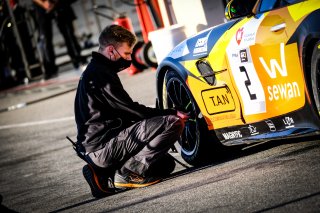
(268,85)
(261,89)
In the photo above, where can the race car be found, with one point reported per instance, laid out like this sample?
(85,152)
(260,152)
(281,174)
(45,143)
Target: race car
(252,79)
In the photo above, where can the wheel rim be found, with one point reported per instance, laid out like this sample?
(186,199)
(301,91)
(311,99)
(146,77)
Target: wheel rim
(179,98)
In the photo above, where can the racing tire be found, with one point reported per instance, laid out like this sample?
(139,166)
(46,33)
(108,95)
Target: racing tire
(315,75)
(136,58)
(195,141)
(149,55)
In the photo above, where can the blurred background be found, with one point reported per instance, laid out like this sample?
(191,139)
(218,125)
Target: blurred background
(159,25)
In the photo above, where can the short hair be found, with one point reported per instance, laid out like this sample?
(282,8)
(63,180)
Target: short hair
(115,35)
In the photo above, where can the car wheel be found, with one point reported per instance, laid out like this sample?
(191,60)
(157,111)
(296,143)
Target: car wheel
(149,55)
(315,75)
(194,141)
(136,58)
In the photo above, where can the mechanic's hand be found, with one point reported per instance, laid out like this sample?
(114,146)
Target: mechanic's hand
(184,116)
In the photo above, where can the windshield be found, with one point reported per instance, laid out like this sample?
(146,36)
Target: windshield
(266,5)
(242,7)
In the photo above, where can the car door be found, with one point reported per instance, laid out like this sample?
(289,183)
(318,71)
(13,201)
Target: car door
(265,68)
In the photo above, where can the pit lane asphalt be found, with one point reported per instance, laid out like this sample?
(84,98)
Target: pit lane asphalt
(16,112)
(41,173)
(23,95)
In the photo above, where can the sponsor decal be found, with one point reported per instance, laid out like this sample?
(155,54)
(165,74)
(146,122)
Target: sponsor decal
(271,126)
(282,91)
(201,46)
(218,100)
(248,84)
(247,38)
(224,117)
(243,37)
(253,130)
(239,35)
(275,66)
(232,135)
(288,122)
(234,55)
(243,56)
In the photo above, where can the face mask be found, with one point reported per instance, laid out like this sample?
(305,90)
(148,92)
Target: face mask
(121,63)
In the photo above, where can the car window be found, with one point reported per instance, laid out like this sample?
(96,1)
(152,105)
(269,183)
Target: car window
(266,5)
(241,8)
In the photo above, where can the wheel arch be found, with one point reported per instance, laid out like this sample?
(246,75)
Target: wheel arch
(307,50)
(164,67)
(306,36)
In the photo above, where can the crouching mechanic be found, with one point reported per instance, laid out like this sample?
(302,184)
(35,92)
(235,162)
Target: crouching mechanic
(126,143)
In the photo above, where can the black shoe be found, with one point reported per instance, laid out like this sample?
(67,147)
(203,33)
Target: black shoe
(130,180)
(162,167)
(100,186)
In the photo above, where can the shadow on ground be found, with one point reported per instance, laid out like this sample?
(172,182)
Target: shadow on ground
(227,154)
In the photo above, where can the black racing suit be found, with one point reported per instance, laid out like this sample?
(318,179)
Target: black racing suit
(115,128)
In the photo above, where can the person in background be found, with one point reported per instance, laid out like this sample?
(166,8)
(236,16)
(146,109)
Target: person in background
(44,21)
(61,11)
(125,143)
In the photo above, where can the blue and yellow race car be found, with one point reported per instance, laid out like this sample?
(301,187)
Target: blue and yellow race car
(251,79)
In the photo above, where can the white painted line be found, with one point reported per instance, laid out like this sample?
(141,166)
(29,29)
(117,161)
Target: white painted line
(40,122)
(37,123)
